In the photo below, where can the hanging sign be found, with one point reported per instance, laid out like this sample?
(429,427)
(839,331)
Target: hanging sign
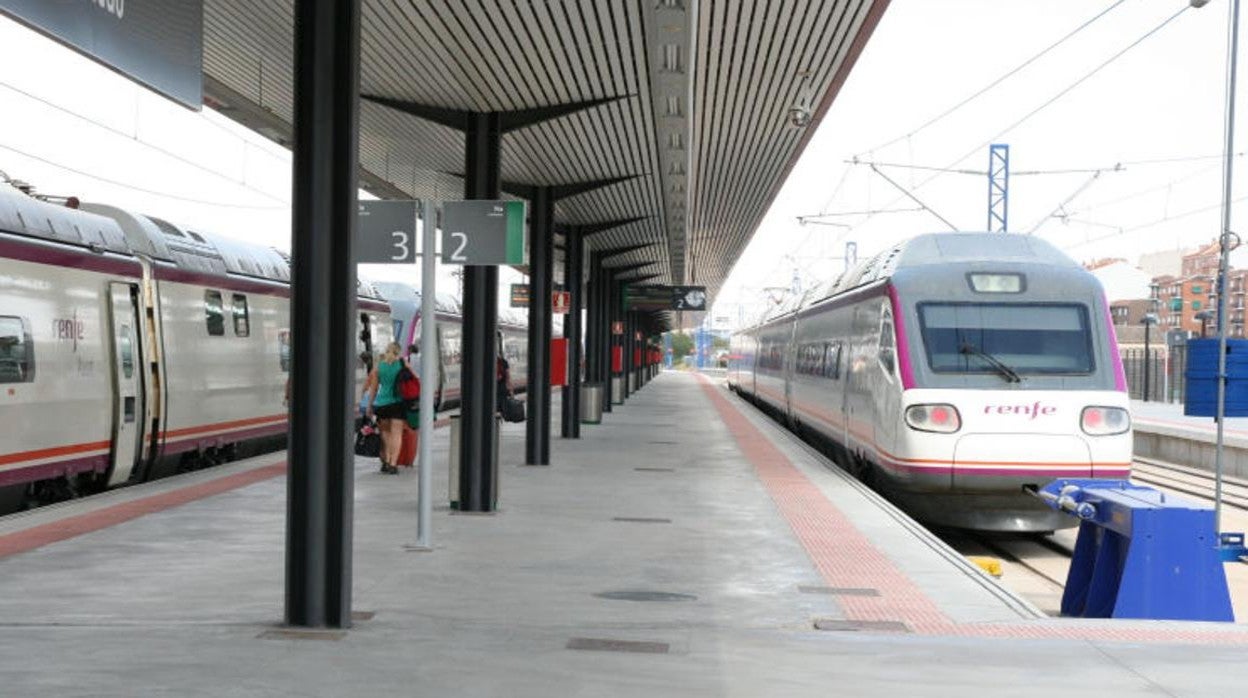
(519,295)
(158,44)
(385,232)
(484,233)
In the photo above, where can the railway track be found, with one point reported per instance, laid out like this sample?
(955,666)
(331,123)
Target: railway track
(1190,481)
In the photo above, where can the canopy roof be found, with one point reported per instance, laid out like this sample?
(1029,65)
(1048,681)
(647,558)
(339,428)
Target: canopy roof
(690,104)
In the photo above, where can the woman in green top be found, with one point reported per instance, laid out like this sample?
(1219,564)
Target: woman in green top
(389,407)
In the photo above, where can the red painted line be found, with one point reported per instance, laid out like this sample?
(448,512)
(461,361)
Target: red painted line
(846,558)
(73,526)
(41,453)
(841,553)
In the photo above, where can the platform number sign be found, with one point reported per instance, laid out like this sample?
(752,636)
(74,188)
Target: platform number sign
(385,232)
(483,232)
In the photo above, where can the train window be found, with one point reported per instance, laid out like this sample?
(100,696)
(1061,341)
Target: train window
(125,347)
(283,350)
(214,313)
(888,350)
(832,360)
(1026,338)
(17,351)
(242,321)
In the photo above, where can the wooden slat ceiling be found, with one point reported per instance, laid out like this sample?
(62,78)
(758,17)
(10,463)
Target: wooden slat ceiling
(701,118)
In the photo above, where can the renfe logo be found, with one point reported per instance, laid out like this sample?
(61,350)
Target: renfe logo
(1033,410)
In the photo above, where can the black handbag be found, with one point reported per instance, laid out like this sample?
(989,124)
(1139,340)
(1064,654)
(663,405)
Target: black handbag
(512,410)
(367,438)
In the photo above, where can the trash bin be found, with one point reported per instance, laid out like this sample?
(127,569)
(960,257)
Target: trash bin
(453,478)
(617,390)
(591,403)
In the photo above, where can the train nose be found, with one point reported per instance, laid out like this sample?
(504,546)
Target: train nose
(980,460)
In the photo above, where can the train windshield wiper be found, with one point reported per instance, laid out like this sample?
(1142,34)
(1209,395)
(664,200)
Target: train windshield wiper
(1006,372)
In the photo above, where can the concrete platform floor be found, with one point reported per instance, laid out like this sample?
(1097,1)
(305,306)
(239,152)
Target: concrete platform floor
(684,494)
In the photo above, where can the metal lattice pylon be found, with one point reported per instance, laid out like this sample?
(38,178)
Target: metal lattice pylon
(998,187)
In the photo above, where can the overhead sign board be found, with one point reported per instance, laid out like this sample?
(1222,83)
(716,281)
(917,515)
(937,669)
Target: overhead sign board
(159,44)
(385,232)
(483,232)
(665,298)
(519,295)
(688,298)
(648,297)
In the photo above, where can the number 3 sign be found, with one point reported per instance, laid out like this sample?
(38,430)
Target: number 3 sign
(385,232)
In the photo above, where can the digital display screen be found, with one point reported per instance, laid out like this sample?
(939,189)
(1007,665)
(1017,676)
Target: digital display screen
(996,283)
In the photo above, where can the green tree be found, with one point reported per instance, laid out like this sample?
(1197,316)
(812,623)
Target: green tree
(682,345)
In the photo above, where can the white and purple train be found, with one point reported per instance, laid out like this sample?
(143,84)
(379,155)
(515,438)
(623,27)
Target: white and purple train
(131,348)
(952,371)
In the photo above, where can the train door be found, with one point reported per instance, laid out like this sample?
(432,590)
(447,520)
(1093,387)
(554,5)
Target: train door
(127,379)
(787,374)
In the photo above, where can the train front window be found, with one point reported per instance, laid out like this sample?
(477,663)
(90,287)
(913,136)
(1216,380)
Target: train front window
(1029,339)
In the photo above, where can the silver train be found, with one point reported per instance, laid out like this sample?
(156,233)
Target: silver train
(951,371)
(131,348)
(511,339)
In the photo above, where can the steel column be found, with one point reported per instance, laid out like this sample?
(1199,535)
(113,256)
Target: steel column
(319,486)
(572,282)
(541,252)
(477,428)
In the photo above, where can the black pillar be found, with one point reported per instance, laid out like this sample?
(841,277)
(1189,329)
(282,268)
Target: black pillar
(541,268)
(572,280)
(319,487)
(477,428)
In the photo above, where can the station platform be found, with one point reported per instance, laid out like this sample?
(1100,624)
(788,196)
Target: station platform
(686,546)
(1164,433)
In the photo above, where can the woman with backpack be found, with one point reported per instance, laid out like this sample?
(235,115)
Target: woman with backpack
(387,382)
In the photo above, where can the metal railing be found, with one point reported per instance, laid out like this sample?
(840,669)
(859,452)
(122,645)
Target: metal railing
(1166,373)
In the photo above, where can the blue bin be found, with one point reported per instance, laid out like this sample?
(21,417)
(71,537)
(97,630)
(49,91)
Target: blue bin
(1201,397)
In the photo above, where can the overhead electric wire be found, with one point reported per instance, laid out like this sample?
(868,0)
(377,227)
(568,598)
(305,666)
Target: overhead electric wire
(1041,107)
(914,198)
(1065,91)
(127,185)
(1082,188)
(134,139)
(1001,79)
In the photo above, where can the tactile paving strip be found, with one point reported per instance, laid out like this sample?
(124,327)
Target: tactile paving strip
(846,558)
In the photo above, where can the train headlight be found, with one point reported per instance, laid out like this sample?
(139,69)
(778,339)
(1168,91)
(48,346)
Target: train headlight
(943,419)
(1103,421)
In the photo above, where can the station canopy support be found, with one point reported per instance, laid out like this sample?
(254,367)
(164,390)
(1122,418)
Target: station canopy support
(323,296)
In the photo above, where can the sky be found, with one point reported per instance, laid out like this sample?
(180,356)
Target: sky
(1143,135)
(1163,99)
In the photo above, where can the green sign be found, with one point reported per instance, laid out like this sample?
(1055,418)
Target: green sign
(483,232)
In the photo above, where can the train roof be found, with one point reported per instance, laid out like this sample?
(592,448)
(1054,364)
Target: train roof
(104,227)
(399,292)
(23,214)
(926,250)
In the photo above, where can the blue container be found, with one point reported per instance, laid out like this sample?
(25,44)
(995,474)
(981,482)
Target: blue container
(1202,378)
